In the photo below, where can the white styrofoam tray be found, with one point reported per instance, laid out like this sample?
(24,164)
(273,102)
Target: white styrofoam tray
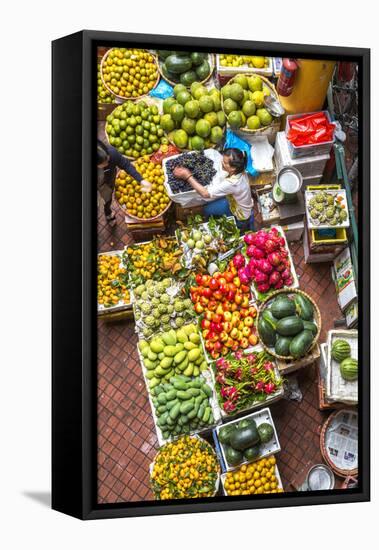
(338,389)
(121,305)
(269,448)
(258,295)
(255,404)
(337,192)
(243,69)
(277,475)
(212,401)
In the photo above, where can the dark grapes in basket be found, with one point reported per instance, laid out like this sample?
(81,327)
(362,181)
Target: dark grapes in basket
(201,167)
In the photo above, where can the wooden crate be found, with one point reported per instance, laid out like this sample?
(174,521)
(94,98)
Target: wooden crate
(181,213)
(285,367)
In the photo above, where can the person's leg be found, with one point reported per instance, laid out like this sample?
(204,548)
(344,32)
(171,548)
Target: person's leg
(108,211)
(219,207)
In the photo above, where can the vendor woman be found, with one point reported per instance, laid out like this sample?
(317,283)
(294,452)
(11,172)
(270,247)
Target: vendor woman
(230,194)
(108,159)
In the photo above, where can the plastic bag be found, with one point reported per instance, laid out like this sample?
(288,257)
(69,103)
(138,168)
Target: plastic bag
(310,129)
(163,90)
(232,140)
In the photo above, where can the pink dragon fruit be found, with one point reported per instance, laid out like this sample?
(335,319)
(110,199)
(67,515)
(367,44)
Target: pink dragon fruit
(281,267)
(274,258)
(279,284)
(261,239)
(263,288)
(250,250)
(288,282)
(284,253)
(249,238)
(260,277)
(252,265)
(258,253)
(265,266)
(271,245)
(286,273)
(274,278)
(244,275)
(273,232)
(239,261)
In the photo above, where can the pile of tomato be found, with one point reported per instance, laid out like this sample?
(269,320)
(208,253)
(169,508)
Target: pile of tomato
(227,318)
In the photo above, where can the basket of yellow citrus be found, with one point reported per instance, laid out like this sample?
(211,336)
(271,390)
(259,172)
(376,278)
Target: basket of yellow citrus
(185,468)
(112,291)
(129,73)
(256,478)
(138,204)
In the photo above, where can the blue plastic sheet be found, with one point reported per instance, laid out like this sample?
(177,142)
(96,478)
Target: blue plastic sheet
(163,90)
(232,140)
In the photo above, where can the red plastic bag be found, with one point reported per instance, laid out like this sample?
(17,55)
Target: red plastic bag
(310,129)
(163,152)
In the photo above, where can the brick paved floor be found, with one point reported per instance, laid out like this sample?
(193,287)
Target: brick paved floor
(127,441)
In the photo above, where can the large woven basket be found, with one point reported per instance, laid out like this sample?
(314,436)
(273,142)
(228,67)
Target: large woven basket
(339,471)
(317,319)
(120,97)
(154,218)
(260,130)
(211,64)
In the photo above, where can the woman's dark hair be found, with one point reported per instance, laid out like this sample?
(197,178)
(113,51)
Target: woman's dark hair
(238,159)
(102,153)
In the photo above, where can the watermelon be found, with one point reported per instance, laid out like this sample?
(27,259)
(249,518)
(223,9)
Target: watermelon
(340,350)
(266,432)
(349,369)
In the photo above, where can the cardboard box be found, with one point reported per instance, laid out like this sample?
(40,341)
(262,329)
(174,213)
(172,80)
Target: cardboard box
(294,231)
(344,279)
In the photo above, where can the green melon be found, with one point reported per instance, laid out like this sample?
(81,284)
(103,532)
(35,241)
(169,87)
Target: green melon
(340,350)
(349,369)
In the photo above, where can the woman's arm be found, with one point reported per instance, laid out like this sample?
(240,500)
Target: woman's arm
(125,164)
(185,174)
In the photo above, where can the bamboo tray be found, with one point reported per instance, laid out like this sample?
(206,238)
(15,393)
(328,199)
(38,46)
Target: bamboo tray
(211,64)
(317,319)
(344,424)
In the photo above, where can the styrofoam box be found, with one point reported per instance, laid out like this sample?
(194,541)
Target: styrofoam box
(277,475)
(255,405)
(243,69)
(212,401)
(293,231)
(121,305)
(269,448)
(191,198)
(309,166)
(338,389)
(308,150)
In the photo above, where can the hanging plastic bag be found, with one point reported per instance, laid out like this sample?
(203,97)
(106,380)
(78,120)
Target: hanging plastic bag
(310,129)
(232,140)
(163,90)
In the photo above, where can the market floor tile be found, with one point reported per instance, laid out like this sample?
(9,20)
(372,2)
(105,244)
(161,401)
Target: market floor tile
(127,441)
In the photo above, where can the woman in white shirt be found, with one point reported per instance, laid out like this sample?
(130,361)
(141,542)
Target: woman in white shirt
(231,194)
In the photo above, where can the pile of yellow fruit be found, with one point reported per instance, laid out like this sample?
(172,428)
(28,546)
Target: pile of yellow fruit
(111,281)
(255,62)
(256,478)
(103,95)
(152,259)
(129,72)
(185,468)
(135,201)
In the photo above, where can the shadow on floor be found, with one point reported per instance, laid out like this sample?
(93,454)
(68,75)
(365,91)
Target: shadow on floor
(42,497)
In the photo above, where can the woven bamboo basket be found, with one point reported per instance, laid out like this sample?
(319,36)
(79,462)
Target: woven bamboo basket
(260,130)
(317,319)
(211,64)
(339,471)
(120,97)
(154,218)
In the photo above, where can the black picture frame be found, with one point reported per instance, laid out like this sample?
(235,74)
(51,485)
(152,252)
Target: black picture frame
(74,438)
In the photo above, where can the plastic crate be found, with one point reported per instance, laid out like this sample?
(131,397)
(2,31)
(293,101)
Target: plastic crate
(318,240)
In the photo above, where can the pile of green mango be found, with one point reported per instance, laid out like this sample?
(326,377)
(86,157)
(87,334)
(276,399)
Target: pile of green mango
(173,352)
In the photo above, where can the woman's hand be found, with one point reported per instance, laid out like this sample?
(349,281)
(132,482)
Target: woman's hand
(182,173)
(146,186)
